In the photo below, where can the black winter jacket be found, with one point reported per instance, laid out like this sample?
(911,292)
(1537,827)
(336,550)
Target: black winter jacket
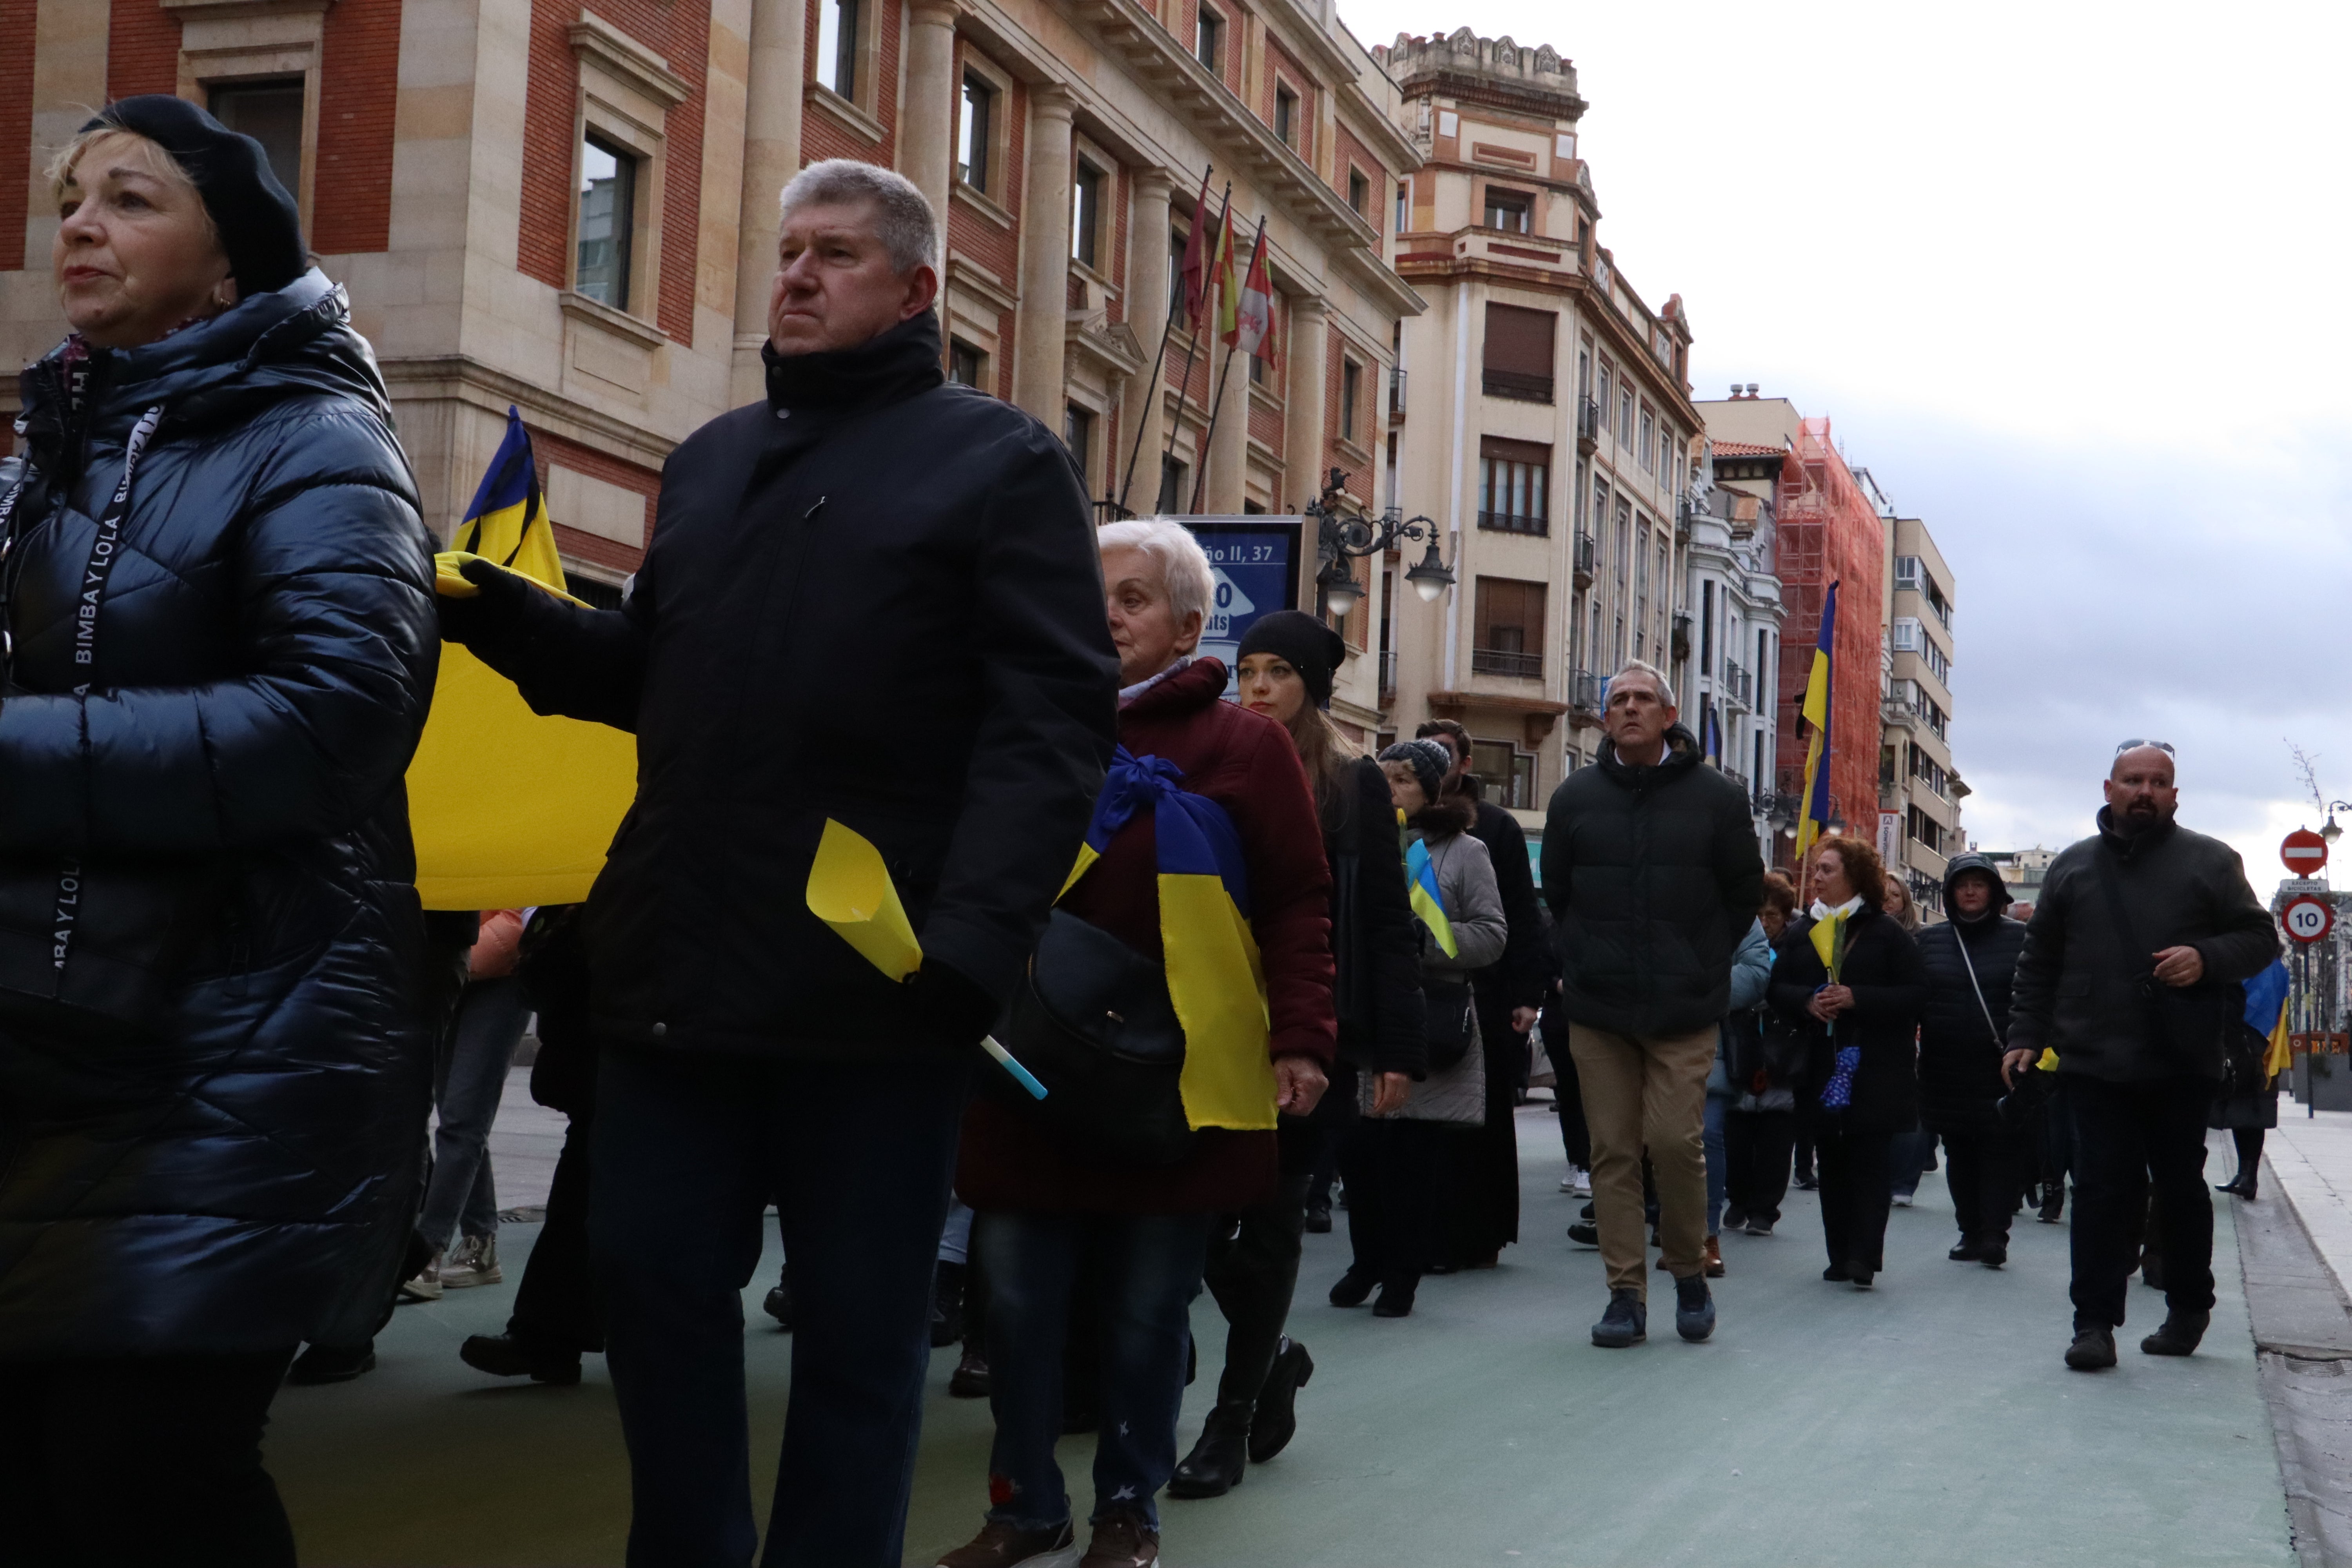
(265,654)
(1373,940)
(1654,876)
(1882,969)
(1959,1053)
(1523,974)
(874,597)
(2078,979)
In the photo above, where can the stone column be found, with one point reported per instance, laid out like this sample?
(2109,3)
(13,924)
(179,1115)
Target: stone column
(1303,442)
(1228,484)
(927,119)
(771,156)
(1144,402)
(1041,325)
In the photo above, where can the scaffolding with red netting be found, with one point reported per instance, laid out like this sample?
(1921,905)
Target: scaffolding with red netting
(1829,532)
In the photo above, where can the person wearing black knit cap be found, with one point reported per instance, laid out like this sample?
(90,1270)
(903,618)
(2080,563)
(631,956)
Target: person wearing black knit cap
(1288,661)
(211,763)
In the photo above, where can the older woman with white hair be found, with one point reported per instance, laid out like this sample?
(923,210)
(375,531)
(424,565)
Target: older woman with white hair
(1206,819)
(219,651)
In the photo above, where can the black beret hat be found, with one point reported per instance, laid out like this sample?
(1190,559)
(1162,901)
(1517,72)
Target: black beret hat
(1300,641)
(260,227)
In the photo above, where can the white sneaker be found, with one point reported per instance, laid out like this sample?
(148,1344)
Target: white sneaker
(472,1261)
(1903,1200)
(1578,1183)
(427,1285)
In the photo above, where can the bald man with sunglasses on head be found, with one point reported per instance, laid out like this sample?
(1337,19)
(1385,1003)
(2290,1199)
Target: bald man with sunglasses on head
(2131,972)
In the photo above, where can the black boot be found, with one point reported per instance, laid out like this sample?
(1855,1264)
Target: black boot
(1216,1465)
(518,1355)
(1276,1416)
(2178,1336)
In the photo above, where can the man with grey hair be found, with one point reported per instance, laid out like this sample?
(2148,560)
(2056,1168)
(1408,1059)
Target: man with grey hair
(1652,868)
(871,599)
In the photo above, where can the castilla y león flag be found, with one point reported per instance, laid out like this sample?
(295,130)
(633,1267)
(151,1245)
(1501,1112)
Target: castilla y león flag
(509,808)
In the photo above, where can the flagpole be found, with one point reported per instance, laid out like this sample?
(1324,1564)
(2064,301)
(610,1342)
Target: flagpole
(1208,440)
(1201,471)
(1192,349)
(1159,365)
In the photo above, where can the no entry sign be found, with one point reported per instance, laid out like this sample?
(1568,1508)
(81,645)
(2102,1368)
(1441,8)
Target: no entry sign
(2305,852)
(2308,919)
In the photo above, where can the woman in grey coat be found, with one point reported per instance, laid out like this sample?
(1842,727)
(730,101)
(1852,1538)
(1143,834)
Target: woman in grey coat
(1389,1161)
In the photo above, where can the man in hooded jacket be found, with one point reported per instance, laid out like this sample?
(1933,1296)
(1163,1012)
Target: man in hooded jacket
(1652,867)
(1970,960)
(906,568)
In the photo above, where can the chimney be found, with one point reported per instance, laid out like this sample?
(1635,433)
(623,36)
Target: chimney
(1751,389)
(1734,390)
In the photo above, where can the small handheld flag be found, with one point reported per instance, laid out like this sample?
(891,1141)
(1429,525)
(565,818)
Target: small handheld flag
(1421,891)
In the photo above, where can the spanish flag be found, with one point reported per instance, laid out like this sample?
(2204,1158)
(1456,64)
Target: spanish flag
(1816,714)
(1421,891)
(509,809)
(1222,275)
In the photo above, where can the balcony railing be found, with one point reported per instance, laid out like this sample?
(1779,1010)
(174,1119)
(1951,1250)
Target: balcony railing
(1396,392)
(1735,685)
(1895,711)
(1584,556)
(1387,671)
(1585,691)
(1588,426)
(1513,522)
(1508,662)
(1520,385)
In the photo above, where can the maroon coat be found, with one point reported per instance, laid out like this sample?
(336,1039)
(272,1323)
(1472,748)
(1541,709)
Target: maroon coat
(1248,765)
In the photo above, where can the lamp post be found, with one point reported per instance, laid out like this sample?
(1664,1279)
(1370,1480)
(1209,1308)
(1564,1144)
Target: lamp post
(1340,539)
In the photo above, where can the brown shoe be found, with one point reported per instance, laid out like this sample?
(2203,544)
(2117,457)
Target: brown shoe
(1714,1258)
(1003,1544)
(1121,1541)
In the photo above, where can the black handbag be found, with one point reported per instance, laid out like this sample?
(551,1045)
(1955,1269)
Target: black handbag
(1093,1022)
(1453,1021)
(90,948)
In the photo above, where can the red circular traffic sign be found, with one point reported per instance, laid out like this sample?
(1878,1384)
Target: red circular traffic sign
(2308,919)
(2305,852)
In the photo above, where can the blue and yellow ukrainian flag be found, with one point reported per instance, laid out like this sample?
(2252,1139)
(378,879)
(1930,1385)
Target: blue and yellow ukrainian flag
(509,808)
(1816,713)
(1421,891)
(2266,1012)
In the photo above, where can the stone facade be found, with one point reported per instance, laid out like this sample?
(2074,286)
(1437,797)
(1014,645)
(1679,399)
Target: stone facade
(1919,786)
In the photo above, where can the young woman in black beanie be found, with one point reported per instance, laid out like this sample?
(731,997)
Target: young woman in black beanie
(1287,663)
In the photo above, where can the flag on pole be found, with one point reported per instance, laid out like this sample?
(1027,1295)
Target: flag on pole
(508,808)
(1196,259)
(1220,273)
(1816,715)
(2266,1014)
(1252,330)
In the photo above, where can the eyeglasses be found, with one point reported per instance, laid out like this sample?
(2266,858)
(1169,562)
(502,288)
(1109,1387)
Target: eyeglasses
(2164,746)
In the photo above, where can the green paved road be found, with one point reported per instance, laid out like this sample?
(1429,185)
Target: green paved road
(1926,1423)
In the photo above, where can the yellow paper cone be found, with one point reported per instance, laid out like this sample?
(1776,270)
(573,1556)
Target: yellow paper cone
(850,888)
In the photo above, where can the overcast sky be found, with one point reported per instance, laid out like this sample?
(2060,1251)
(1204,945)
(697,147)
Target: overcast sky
(2071,280)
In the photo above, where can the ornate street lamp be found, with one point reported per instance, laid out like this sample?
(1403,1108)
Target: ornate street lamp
(1340,539)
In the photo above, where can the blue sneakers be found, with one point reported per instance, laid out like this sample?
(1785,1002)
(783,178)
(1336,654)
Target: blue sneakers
(1626,1323)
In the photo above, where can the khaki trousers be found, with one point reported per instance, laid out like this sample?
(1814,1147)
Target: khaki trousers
(1646,1091)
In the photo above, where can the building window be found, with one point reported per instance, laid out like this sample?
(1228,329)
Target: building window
(1209,41)
(270,111)
(1086,212)
(1286,116)
(608,222)
(1509,630)
(971,138)
(1518,352)
(1079,435)
(837,45)
(1176,276)
(1508,773)
(1172,475)
(1360,191)
(1649,440)
(966,364)
(1624,415)
(1405,205)
(1510,211)
(1351,384)
(1514,486)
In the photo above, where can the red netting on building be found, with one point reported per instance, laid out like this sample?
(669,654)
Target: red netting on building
(1829,532)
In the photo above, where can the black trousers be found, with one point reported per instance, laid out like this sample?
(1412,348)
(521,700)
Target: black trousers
(1756,1149)
(558,1303)
(2131,1139)
(1984,1172)
(1857,1191)
(1391,1169)
(1567,1097)
(1253,1269)
(128,1462)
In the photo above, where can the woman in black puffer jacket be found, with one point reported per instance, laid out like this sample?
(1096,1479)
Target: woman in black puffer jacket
(1970,961)
(213,1083)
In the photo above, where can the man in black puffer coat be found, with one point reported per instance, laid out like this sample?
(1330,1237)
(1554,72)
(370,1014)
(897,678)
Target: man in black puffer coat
(1652,868)
(223,652)
(2132,971)
(1970,960)
(875,599)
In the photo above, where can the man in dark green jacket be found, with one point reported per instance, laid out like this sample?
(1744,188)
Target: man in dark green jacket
(1652,866)
(2131,973)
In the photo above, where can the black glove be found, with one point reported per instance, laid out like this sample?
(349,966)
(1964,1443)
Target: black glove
(948,1007)
(496,612)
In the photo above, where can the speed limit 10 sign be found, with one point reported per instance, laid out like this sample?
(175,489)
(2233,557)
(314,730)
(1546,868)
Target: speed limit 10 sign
(2308,919)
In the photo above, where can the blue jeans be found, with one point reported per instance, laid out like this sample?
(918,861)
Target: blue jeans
(1908,1157)
(1717,1164)
(689,1150)
(1148,1269)
(490,1016)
